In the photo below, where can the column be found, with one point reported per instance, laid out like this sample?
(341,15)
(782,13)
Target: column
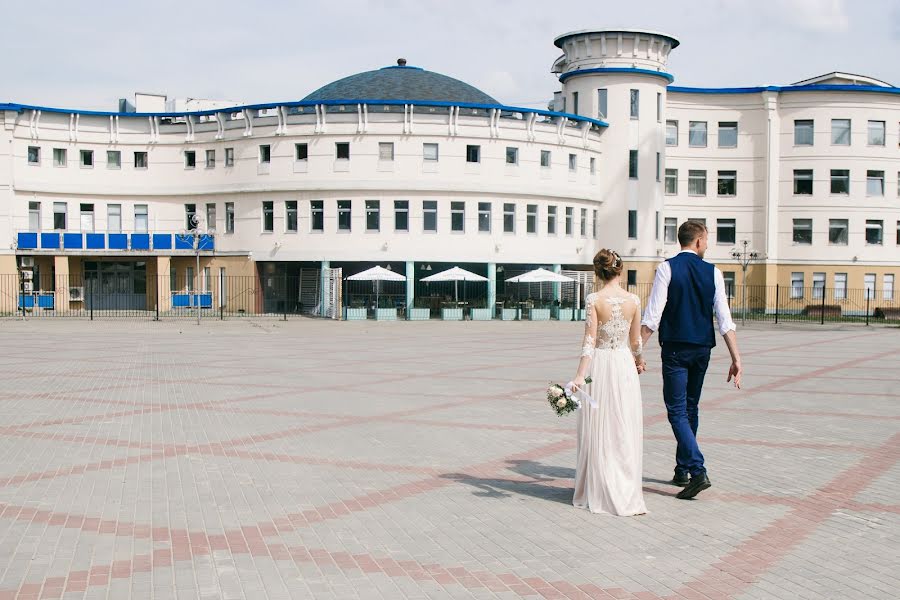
(410,285)
(323,284)
(492,288)
(557,292)
(163,283)
(61,270)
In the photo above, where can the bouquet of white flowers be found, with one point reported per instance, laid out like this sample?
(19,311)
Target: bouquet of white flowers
(562,398)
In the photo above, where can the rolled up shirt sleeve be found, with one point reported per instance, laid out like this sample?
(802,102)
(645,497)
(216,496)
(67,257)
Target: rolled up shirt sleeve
(656,303)
(720,306)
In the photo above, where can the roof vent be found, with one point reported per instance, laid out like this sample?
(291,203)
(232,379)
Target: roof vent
(401,62)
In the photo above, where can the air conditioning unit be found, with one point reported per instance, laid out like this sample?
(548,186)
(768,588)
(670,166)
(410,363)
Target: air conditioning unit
(76,293)
(27,262)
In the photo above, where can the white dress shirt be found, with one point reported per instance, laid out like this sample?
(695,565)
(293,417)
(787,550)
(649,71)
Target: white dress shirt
(659,295)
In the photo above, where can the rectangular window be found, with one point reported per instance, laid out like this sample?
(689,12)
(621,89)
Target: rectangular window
(869,285)
(229,157)
(531,217)
(840,181)
(632,164)
(602,104)
(373,215)
(34,155)
(189,279)
(670,230)
(838,232)
(874,183)
(141,220)
(658,107)
(114,218)
(888,286)
(635,103)
(344,215)
(457,216)
(594,214)
(317,215)
(696,183)
(473,154)
(60,212)
(573,162)
(59,157)
(342,150)
(509,217)
(484,216)
(545,158)
(656,226)
(429,215)
(803,132)
(874,232)
(658,165)
(671,182)
(401,215)
(726,231)
(583,222)
(803,232)
(671,133)
(386,151)
(840,132)
(430,152)
(140,160)
(113,159)
(87,217)
(512,155)
(570,217)
(551,220)
(898,233)
(632,224)
(190,159)
(631,277)
(697,134)
(229,217)
(301,152)
(728,134)
(803,182)
(190,217)
(265,153)
(87,158)
(727,185)
(290,216)
(876,133)
(575,103)
(729,279)
(840,286)
(211,216)
(210,159)
(34,216)
(797,285)
(818,285)
(593,164)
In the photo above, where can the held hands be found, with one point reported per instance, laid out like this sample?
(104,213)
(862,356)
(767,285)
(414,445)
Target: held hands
(640,364)
(735,371)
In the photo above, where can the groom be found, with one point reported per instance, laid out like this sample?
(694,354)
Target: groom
(687,291)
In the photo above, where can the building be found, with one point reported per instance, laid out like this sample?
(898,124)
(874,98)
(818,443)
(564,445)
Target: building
(407,168)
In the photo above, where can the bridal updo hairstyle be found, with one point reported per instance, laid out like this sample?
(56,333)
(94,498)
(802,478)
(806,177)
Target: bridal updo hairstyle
(607,264)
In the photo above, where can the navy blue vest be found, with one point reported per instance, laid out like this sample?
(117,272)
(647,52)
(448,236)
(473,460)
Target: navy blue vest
(688,316)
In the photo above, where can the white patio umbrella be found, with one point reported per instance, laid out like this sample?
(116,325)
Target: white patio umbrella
(540,276)
(377,274)
(455,275)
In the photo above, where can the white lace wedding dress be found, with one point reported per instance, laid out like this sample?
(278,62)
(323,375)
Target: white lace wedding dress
(610,435)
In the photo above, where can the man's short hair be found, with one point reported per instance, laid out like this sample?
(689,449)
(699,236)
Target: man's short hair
(690,231)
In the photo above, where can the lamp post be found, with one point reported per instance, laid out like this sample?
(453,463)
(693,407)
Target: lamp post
(744,256)
(196,233)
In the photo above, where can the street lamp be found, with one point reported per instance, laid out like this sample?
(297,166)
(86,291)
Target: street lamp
(744,256)
(196,233)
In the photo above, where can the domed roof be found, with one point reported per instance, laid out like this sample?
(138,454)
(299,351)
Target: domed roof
(401,83)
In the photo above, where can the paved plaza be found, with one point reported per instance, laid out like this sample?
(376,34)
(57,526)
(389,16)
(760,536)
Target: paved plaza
(315,459)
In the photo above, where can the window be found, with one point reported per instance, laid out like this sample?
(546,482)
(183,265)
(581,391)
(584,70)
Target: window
(803,182)
(729,279)
(838,232)
(594,166)
(342,150)
(211,216)
(484,216)
(301,152)
(658,107)
(698,219)
(457,216)
(874,183)
(725,231)
(671,182)
(840,132)
(430,152)
(888,286)
(840,286)
(317,215)
(190,217)
(373,215)
(229,157)
(141,222)
(656,226)
(473,154)
(803,231)
(697,134)
(594,223)
(34,216)
(671,133)
(140,160)
(658,165)
(531,217)
(59,157)
(60,210)
(876,133)
(87,217)
(114,218)
(190,159)
(869,285)
(898,233)
(874,232)
(632,164)
(113,159)
(696,183)
(635,103)
(401,215)
(509,217)
(818,285)
(573,162)
(265,153)
(34,155)
(583,222)
(545,158)
(631,277)
(229,217)
(803,132)
(796,285)
(189,279)
(512,155)
(601,104)
(840,181)
(344,215)
(290,216)
(210,159)
(429,215)
(728,134)
(575,103)
(386,151)
(727,183)
(670,230)
(632,224)
(551,220)
(570,217)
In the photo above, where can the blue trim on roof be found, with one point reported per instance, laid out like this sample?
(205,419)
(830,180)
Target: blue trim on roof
(667,76)
(831,87)
(311,104)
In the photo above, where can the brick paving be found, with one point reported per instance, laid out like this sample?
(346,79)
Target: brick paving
(313,459)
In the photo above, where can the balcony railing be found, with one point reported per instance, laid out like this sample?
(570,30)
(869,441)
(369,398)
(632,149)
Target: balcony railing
(140,242)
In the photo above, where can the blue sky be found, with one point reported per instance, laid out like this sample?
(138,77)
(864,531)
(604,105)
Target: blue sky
(88,54)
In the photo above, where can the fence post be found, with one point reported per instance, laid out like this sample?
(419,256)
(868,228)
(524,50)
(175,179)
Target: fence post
(157,296)
(822,316)
(222,292)
(284,294)
(91,292)
(867,306)
(777,290)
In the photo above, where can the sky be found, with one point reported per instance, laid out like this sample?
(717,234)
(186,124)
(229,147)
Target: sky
(87,54)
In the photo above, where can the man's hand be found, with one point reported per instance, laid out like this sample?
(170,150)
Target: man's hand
(735,371)
(640,364)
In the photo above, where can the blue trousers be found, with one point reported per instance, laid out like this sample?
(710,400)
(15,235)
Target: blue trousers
(684,367)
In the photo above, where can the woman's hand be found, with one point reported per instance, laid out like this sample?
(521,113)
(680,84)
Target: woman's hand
(640,364)
(579,382)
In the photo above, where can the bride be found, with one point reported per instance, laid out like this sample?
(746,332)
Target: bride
(610,432)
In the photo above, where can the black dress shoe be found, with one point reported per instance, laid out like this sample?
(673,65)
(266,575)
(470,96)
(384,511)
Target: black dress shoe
(680,479)
(698,484)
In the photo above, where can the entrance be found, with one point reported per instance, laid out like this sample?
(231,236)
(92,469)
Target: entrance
(115,285)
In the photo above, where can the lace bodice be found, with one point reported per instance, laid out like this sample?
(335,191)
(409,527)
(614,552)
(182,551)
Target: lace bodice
(613,333)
